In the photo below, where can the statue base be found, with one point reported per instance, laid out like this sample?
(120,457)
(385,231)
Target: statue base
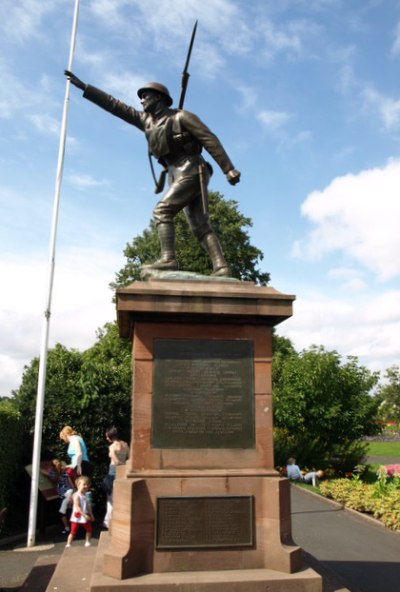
(199,506)
(210,580)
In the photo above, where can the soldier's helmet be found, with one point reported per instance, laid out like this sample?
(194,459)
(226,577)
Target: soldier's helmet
(160,88)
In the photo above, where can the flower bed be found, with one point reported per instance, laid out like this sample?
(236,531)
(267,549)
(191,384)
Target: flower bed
(380,499)
(392,469)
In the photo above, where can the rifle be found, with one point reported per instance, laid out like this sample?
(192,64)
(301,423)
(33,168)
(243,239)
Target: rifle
(184,84)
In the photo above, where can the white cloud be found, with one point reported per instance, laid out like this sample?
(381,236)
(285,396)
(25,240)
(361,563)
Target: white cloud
(124,86)
(81,303)
(19,21)
(248,96)
(83,181)
(273,120)
(277,41)
(212,62)
(346,82)
(364,95)
(98,59)
(368,328)
(109,11)
(352,278)
(388,109)
(358,215)
(166,20)
(169,26)
(33,101)
(396,43)
(344,153)
(355,285)
(13,94)
(45,123)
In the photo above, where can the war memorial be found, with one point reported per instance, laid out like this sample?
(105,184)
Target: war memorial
(199,506)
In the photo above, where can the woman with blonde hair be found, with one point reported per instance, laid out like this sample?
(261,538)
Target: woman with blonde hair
(76,451)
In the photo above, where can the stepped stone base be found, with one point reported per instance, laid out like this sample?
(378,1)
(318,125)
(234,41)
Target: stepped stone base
(240,580)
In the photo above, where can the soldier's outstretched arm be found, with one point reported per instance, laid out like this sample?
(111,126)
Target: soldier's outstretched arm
(74,80)
(107,102)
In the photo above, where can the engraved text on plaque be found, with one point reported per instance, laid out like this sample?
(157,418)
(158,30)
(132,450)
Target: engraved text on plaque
(204,522)
(203,394)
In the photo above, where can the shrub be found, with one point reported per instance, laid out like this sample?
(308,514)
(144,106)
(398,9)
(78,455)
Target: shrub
(10,449)
(380,499)
(303,447)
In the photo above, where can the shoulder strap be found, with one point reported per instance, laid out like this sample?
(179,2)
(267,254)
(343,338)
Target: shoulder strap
(176,122)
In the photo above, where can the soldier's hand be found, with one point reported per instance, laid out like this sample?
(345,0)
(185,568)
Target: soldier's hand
(74,80)
(233,177)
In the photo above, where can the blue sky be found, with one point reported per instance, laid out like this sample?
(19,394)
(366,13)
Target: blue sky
(304,95)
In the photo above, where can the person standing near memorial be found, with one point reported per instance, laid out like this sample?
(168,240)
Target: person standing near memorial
(118,452)
(63,476)
(76,451)
(176,138)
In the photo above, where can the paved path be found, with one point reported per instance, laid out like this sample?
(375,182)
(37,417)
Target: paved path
(17,561)
(364,554)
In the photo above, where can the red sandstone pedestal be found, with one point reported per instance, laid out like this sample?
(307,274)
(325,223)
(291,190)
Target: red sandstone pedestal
(217,516)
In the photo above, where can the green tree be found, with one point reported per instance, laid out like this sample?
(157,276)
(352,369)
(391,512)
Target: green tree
(231,228)
(322,406)
(62,398)
(388,395)
(105,382)
(282,346)
(87,390)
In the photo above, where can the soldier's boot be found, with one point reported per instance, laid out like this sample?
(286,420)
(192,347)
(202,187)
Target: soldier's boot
(167,261)
(212,245)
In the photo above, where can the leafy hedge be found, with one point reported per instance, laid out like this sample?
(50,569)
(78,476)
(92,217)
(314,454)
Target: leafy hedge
(10,449)
(310,452)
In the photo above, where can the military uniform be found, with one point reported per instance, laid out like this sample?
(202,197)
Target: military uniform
(176,138)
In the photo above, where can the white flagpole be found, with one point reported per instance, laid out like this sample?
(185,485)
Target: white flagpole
(46,321)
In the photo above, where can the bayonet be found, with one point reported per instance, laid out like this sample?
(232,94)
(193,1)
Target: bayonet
(185,73)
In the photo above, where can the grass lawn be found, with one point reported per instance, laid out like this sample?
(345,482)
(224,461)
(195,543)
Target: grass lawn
(384,449)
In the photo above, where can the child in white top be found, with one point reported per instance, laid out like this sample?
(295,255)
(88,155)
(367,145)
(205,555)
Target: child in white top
(81,512)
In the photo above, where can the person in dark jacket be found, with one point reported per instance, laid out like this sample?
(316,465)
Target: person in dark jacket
(176,138)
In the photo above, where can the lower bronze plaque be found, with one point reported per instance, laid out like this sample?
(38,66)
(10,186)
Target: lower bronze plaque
(203,395)
(204,522)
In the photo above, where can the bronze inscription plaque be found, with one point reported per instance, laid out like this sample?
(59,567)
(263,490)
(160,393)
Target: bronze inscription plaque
(204,522)
(203,394)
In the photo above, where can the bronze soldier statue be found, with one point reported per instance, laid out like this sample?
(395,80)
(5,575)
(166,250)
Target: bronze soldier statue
(176,138)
